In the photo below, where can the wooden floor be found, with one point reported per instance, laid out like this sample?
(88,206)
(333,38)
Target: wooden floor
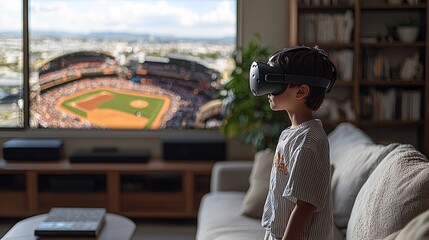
(153,229)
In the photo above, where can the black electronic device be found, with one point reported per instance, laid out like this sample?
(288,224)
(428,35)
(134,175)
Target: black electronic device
(110,155)
(269,78)
(33,149)
(194,149)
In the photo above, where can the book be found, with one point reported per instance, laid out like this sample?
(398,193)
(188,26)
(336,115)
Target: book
(72,222)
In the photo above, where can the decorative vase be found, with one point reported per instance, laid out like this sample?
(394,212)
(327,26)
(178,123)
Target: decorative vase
(407,33)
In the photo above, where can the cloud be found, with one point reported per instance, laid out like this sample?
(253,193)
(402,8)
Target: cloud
(10,15)
(222,14)
(188,17)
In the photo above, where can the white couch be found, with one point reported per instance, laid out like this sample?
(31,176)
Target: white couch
(379,192)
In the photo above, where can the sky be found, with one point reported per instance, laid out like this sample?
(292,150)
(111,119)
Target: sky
(182,18)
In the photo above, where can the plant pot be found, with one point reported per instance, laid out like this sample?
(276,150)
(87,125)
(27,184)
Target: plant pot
(407,33)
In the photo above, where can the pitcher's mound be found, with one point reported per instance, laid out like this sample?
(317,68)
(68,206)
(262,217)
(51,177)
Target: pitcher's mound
(139,104)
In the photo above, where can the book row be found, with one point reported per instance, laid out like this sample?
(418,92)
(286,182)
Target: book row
(323,27)
(392,104)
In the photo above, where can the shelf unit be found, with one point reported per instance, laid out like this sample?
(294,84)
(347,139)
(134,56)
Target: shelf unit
(157,189)
(373,38)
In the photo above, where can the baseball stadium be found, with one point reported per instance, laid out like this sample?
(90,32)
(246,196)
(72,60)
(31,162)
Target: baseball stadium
(89,89)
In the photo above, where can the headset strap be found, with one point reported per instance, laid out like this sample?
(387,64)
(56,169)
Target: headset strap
(298,79)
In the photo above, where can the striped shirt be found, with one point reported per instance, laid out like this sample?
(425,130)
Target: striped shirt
(301,170)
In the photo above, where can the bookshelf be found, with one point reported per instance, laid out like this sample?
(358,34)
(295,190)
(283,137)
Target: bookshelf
(382,72)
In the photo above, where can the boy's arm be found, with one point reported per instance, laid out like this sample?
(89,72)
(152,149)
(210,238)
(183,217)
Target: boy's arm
(299,220)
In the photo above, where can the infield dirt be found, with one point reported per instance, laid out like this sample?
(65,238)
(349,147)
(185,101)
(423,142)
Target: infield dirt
(113,118)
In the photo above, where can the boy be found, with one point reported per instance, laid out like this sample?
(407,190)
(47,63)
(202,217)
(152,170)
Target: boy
(298,204)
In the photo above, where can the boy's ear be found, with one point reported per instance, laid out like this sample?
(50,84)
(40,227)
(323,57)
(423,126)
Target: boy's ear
(303,91)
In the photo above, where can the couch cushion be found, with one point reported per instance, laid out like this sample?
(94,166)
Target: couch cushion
(253,203)
(219,217)
(351,172)
(418,228)
(395,193)
(353,155)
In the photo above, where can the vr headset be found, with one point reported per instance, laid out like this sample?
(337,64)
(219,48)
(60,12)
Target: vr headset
(269,78)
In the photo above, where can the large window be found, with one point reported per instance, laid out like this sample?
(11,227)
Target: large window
(11,64)
(121,64)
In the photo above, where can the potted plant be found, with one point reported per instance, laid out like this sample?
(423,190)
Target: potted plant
(246,116)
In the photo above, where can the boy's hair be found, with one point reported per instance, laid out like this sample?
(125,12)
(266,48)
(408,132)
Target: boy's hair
(309,62)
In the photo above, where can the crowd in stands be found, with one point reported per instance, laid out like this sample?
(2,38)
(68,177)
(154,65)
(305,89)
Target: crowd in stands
(202,81)
(76,71)
(204,75)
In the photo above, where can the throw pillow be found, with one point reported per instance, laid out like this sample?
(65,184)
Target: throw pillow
(350,174)
(344,135)
(395,193)
(254,200)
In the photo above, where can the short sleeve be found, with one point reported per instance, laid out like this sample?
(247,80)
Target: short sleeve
(309,178)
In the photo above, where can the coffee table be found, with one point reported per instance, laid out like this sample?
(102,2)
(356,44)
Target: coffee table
(115,227)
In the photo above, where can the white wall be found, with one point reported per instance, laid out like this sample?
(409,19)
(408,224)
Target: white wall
(270,19)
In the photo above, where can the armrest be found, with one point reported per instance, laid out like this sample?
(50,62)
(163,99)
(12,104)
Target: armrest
(231,176)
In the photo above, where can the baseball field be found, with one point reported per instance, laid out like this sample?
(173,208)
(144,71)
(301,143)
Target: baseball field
(113,108)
